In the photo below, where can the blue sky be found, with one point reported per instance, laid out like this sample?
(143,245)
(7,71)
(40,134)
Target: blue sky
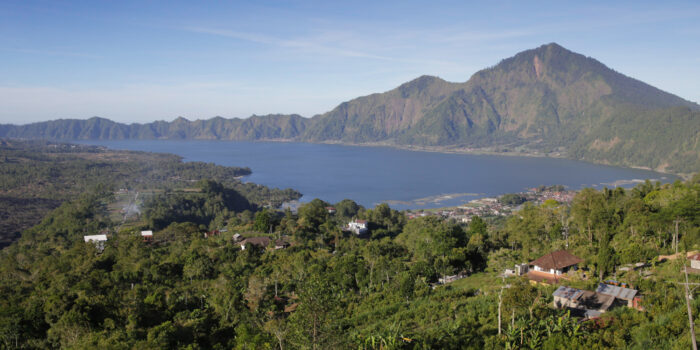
(142,61)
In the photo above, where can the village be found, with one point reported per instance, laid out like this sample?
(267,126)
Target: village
(501,206)
(575,290)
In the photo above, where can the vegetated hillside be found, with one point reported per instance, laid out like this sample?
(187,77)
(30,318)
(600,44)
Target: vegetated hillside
(547,100)
(329,289)
(544,100)
(253,128)
(379,117)
(36,177)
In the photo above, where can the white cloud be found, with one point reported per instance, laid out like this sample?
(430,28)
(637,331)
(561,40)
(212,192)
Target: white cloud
(307,44)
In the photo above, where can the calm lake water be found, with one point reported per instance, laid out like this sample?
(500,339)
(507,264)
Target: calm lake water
(404,179)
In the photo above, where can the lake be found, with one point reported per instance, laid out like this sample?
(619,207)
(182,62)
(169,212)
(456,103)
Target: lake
(404,179)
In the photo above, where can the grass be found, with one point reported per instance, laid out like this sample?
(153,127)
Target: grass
(484,281)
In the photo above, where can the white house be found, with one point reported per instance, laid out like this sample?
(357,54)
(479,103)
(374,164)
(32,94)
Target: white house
(556,263)
(98,240)
(147,235)
(358,227)
(550,268)
(695,261)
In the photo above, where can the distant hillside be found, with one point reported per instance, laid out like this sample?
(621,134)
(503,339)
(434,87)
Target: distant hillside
(548,100)
(253,128)
(36,177)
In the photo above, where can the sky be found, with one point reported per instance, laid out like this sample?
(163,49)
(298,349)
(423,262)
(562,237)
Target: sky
(141,61)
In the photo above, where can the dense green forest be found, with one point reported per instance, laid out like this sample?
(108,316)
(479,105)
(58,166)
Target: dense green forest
(333,290)
(546,100)
(37,176)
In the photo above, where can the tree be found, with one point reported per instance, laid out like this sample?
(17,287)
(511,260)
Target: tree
(263,221)
(520,297)
(347,209)
(315,321)
(606,257)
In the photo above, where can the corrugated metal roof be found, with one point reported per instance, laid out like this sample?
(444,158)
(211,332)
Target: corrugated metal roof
(617,292)
(567,293)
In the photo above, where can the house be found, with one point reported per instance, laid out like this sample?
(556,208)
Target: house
(552,267)
(281,244)
(625,295)
(261,242)
(521,269)
(211,233)
(588,303)
(449,279)
(695,261)
(98,240)
(358,227)
(147,236)
(237,237)
(331,210)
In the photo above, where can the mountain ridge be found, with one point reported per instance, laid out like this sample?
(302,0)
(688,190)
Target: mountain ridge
(546,100)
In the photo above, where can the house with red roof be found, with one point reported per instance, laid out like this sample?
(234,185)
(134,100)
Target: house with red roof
(552,267)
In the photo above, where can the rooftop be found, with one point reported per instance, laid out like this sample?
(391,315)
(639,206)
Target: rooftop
(617,292)
(99,238)
(557,260)
(261,241)
(588,299)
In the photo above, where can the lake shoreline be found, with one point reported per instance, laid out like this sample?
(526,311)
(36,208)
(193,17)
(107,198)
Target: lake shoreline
(407,178)
(473,151)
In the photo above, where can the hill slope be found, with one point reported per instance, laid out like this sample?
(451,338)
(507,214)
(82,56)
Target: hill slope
(545,100)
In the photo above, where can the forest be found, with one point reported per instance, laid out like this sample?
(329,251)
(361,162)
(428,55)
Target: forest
(193,286)
(37,176)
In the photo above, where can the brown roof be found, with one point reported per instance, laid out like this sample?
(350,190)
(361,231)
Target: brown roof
(557,260)
(261,241)
(281,243)
(694,257)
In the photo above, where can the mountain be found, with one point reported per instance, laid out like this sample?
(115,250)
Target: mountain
(547,100)
(267,127)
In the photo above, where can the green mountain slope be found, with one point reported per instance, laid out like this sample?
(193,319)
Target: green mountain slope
(253,128)
(547,100)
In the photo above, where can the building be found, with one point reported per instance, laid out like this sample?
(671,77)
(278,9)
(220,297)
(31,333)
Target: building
(237,237)
(588,303)
(261,242)
(211,233)
(264,243)
(281,244)
(552,267)
(695,261)
(521,269)
(331,210)
(147,236)
(358,227)
(98,240)
(625,295)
